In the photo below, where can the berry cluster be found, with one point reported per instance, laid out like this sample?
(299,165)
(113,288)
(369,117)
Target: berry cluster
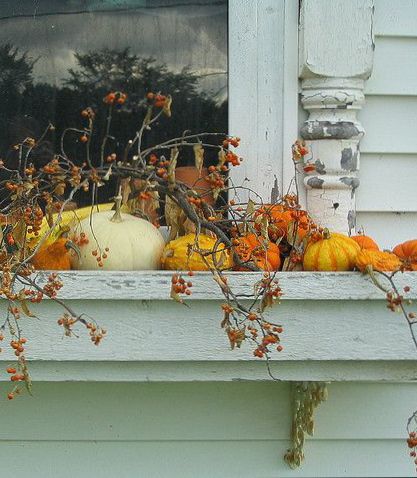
(18,346)
(180,286)
(115,97)
(96,333)
(33,217)
(99,257)
(53,285)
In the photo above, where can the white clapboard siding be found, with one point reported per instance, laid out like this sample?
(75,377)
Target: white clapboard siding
(162,431)
(390,173)
(387,196)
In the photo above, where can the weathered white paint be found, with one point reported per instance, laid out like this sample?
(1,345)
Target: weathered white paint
(262,92)
(325,318)
(334,62)
(155,285)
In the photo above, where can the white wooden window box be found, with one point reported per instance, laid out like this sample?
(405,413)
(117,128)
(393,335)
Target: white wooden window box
(336,328)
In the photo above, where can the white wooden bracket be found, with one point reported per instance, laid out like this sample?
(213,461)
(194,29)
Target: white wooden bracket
(336,56)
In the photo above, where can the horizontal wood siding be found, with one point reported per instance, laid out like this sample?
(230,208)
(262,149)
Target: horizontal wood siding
(387,197)
(205,430)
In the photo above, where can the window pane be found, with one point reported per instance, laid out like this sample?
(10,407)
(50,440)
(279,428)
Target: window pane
(58,57)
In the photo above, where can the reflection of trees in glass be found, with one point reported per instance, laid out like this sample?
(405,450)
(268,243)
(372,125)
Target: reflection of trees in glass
(27,107)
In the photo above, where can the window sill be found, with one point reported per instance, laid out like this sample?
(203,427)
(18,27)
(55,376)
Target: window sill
(336,327)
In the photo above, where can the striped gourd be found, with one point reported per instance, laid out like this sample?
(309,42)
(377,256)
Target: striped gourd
(335,252)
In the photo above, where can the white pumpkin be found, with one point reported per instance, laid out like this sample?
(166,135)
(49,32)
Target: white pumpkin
(130,243)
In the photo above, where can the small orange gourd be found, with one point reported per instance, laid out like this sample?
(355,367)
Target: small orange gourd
(366,242)
(378,260)
(407,252)
(335,252)
(265,255)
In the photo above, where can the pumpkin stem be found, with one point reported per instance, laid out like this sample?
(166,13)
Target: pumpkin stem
(117,217)
(326,233)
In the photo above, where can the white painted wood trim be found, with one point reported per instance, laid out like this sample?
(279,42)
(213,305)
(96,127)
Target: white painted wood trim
(263,93)
(212,371)
(155,285)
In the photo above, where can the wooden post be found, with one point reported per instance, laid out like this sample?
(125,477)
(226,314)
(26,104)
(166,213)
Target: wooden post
(336,54)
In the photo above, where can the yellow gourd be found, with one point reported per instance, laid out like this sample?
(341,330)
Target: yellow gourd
(178,254)
(335,252)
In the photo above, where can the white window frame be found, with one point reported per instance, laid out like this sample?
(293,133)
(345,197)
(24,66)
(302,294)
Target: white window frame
(263,91)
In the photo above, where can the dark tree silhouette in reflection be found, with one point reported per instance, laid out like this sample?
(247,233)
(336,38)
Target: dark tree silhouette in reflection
(28,107)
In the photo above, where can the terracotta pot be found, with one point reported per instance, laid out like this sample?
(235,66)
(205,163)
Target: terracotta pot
(190,176)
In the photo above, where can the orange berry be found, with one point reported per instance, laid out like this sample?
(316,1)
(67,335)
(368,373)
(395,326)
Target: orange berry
(83,138)
(10,396)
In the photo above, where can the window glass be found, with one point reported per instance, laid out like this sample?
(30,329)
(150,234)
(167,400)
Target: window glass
(59,57)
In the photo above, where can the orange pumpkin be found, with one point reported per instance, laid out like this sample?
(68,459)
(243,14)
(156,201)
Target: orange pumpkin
(407,252)
(281,219)
(335,252)
(265,255)
(366,242)
(378,260)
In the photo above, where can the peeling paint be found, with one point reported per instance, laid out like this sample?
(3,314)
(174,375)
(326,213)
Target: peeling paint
(349,159)
(352,182)
(330,130)
(275,191)
(320,167)
(315,183)
(351,220)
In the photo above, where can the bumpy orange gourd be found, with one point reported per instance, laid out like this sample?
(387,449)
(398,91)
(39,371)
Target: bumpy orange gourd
(407,252)
(378,260)
(265,255)
(335,252)
(55,256)
(281,219)
(176,254)
(366,242)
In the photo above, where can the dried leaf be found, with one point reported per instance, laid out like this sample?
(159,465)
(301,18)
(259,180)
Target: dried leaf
(175,218)
(264,226)
(167,106)
(171,168)
(250,208)
(26,309)
(59,189)
(222,158)
(199,157)
(175,296)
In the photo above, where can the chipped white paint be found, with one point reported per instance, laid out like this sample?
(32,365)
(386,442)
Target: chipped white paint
(334,62)
(155,285)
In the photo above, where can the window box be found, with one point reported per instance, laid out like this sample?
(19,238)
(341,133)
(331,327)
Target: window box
(336,328)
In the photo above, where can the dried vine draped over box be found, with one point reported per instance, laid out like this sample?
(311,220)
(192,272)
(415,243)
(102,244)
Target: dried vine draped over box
(210,229)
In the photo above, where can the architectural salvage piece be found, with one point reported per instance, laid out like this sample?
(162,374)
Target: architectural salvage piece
(336,54)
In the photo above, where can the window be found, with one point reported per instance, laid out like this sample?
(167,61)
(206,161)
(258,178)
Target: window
(58,57)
